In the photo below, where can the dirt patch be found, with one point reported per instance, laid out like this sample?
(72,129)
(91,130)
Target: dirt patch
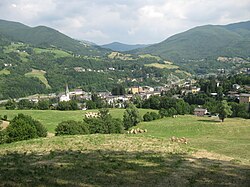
(209,155)
(5,124)
(49,135)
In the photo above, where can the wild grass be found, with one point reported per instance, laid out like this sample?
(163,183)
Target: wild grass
(40,75)
(113,160)
(161,66)
(51,118)
(230,138)
(4,72)
(58,53)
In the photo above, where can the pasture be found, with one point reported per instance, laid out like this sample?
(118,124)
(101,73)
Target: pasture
(40,75)
(217,154)
(51,118)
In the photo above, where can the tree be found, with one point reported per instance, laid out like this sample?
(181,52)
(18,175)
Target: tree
(118,90)
(131,116)
(224,110)
(10,105)
(25,104)
(104,124)
(71,127)
(43,105)
(24,127)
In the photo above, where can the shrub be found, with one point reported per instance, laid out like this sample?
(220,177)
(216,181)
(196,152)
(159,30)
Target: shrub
(5,117)
(150,116)
(24,127)
(147,117)
(104,124)
(167,112)
(131,116)
(3,136)
(71,127)
(154,115)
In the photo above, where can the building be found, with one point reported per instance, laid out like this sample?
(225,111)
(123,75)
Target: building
(245,98)
(65,97)
(195,90)
(200,111)
(135,90)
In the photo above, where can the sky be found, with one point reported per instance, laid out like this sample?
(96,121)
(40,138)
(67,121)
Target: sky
(126,21)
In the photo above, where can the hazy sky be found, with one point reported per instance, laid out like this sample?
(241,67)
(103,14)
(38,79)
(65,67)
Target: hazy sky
(127,21)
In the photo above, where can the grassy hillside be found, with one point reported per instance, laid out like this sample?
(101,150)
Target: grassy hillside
(51,118)
(117,160)
(46,37)
(40,75)
(205,41)
(116,46)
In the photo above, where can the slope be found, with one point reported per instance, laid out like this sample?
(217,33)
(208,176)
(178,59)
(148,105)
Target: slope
(205,42)
(46,37)
(116,46)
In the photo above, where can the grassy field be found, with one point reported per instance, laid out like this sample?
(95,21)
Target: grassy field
(150,56)
(161,66)
(4,72)
(40,75)
(51,118)
(230,138)
(217,154)
(58,53)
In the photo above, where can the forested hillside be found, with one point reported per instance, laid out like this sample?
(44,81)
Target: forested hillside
(42,36)
(210,41)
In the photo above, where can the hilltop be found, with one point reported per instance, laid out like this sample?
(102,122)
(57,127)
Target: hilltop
(209,41)
(117,46)
(43,36)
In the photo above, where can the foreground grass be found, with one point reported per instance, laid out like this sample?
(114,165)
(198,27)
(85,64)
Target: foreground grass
(51,118)
(230,137)
(113,160)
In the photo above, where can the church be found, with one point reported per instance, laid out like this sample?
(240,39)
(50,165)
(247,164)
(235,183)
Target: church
(65,97)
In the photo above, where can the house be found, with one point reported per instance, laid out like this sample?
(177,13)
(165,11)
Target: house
(200,111)
(195,90)
(135,90)
(236,86)
(245,98)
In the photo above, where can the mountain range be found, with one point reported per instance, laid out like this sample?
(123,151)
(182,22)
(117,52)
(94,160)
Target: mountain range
(209,41)
(47,37)
(204,42)
(117,46)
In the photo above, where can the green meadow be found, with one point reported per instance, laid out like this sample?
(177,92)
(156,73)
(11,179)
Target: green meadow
(217,154)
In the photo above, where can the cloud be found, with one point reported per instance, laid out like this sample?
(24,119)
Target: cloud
(128,21)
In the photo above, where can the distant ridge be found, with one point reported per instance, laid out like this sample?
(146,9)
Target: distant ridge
(117,46)
(45,37)
(209,41)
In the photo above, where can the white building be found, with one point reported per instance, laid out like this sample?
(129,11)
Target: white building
(65,97)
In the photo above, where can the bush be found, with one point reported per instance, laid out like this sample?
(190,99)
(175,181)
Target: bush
(154,115)
(71,127)
(150,116)
(104,124)
(5,117)
(108,126)
(131,116)
(167,112)
(147,117)
(24,127)
(3,136)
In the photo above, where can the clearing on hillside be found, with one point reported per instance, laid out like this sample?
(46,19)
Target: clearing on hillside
(40,75)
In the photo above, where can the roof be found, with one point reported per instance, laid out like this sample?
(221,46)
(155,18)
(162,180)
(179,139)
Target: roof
(244,95)
(200,110)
